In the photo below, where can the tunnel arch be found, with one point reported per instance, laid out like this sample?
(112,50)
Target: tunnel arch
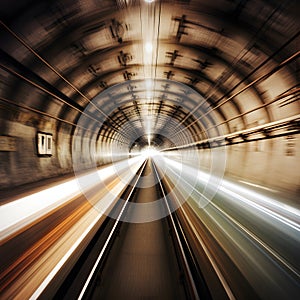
(97,96)
(239,56)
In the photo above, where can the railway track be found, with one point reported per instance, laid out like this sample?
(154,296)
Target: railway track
(137,260)
(172,257)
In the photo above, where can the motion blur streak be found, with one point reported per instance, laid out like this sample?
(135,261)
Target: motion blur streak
(21,212)
(271,207)
(207,91)
(68,238)
(247,225)
(107,199)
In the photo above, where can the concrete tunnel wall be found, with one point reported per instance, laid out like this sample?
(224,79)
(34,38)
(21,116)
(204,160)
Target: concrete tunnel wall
(23,165)
(270,162)
(267,162)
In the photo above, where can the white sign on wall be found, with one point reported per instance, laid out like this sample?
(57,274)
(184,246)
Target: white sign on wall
(44,144)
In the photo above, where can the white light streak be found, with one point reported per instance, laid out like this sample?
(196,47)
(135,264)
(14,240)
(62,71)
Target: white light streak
(258,186)
(19,213)
(149,152)
(148,47)
(269,206)
(149,88)
(105,203)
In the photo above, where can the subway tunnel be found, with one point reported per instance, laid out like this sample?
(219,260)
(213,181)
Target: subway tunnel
(149,149)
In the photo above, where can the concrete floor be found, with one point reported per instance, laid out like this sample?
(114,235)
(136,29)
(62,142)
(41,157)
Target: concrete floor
(142,262)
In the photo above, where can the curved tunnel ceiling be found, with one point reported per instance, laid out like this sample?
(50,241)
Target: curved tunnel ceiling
(125,69)
(85,85)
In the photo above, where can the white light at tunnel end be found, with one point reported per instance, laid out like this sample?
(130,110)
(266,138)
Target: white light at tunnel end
(184,168)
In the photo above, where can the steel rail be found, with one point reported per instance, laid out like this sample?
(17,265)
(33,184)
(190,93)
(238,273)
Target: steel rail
(252,235)
(105,247)
(178,240)
(207,252)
